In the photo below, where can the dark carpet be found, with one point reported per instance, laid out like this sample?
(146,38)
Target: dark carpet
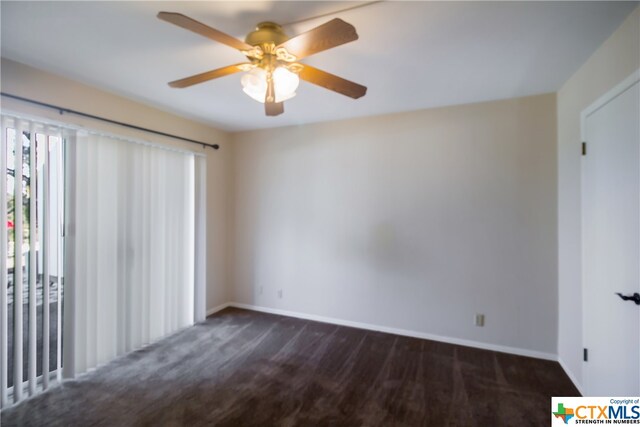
(242,368)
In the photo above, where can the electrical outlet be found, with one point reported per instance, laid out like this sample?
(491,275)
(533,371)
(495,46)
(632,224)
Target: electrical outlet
(479,319)
(279,293)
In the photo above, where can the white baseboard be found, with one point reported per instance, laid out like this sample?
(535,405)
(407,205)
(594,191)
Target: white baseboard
(404,332)
(216,309)
(571,375)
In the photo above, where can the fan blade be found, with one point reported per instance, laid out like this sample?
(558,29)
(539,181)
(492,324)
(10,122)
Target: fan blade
(328,35)
(209,75)
(204,30)
(271,107)
(332,82)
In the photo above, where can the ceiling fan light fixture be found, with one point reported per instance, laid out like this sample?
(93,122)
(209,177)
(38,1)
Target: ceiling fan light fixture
(285,82)
(273,71)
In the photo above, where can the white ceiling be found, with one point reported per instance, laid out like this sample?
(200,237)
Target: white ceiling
(411,55)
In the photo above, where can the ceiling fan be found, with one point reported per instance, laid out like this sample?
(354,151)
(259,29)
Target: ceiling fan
(273,70)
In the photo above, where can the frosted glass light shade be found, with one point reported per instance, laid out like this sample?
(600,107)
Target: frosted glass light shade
(285,83)
(254,84)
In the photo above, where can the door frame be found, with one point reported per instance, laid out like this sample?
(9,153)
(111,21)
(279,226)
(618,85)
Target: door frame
(609,96)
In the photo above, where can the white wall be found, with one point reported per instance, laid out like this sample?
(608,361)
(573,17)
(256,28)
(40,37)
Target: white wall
(615,60)
(414,221)
(19,79)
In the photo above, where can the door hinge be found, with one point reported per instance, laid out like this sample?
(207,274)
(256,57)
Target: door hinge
(584,148)
(585,354)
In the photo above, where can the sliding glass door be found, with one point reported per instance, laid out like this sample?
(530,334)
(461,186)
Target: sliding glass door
(31,296)
(102,244)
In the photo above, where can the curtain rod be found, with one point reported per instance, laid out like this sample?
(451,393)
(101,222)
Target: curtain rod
(63,110)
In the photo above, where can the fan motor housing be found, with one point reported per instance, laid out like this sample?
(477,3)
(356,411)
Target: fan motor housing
(265,33)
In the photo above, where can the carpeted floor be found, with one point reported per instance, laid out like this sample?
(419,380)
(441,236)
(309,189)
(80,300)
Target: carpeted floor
(242,368)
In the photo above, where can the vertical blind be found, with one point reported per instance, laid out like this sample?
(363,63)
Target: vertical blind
(131,221)
(123,220)
(31,283)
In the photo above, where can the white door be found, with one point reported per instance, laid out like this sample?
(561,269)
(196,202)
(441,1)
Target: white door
(611,244)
